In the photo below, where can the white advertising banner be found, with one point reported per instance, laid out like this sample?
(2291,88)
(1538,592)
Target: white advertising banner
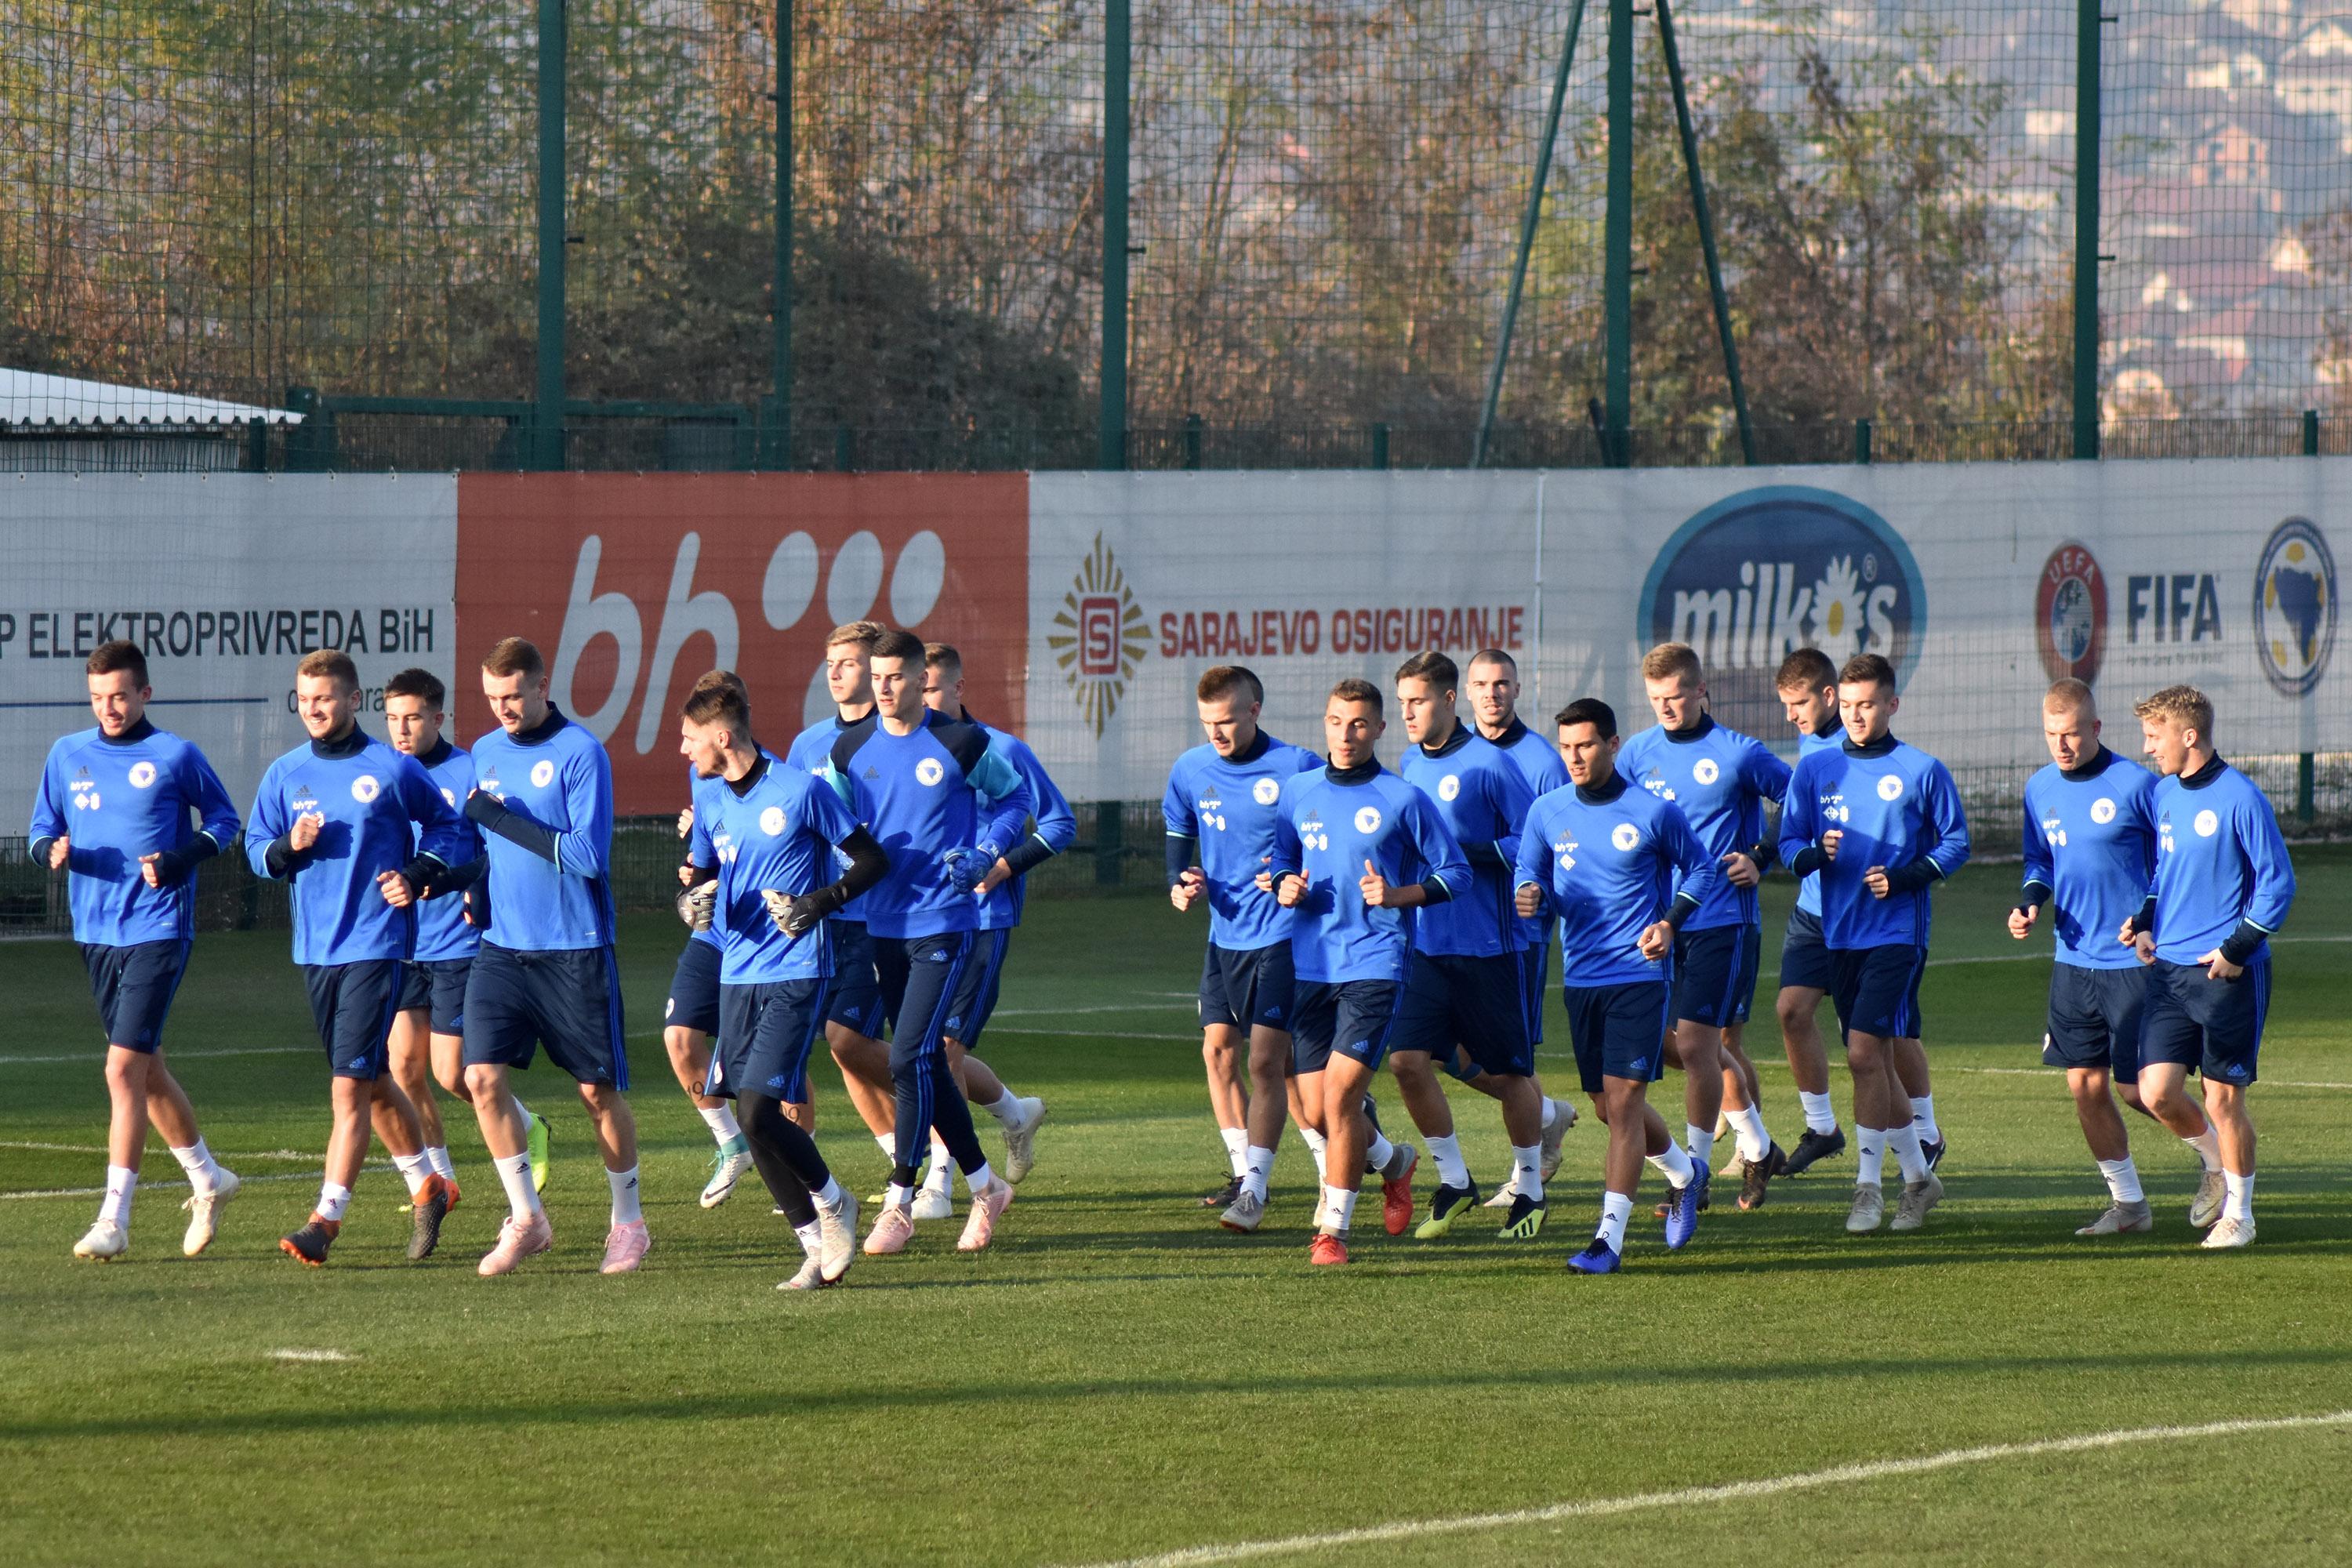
(225,580)
(1982,583)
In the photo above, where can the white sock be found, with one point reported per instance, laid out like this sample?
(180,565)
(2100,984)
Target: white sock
(1747,1123)
(888,1143)
(626,1210)
(121,1181)
(414,1169)
(2123,1180)
(1870,1163)
(1700,1141)
(1903,1143)
(1452,1170)
(2239,1205)
(940,1177)
(898,1197)
(1819,1117)
(204,1171)
(1616,1208)
(2208,1147)
(437,1156)
(829,1200)
(1551,1110)
(1257,1169)
(1674,1164)
(333,1201)
(720,1120)
(812,1238)
(524,1111)
(1007,1109)
(1236,1149)
(1923,1120)
(514,1175)
(1380,1151)
(1527,1171)
(1316,1143)
(1339,1208)
(977,1179)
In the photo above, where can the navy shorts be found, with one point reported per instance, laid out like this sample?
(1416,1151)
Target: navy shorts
(2095,1017)
(1715,973)
(353,1003)
(567,1000)
(1619,1031)
(975,993)
(1538,974)
(1352,1017)
(134,987)
(1479,1003)
(765,1034)
(855,1001)
(694,990)
(1805,956)
(2212,1026)
(1247,988)
(437,986)
(1876,989)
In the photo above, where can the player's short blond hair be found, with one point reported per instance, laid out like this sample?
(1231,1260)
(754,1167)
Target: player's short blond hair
(1670,661)
(515,655)
(2068,695)
(2184,705)
(865,634)
(329,664)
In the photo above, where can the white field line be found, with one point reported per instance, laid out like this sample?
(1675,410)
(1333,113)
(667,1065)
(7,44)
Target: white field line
(375,1167)
(232,1161)
(1730,1491)
(95,1055)
(312,1355)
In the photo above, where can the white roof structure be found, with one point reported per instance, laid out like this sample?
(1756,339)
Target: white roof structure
(63,403)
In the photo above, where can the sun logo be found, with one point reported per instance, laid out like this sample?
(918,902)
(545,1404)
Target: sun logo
(1837,608)
(1099,638)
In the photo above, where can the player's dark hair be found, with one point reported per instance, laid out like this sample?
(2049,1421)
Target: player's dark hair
(1221,680)
(1588,711)
(1354,691)
(415,683)
(1496,656)
(1805,670)
(865,634)
(943,657)
(515,655)
(329,664)
(1673,661)
(120,653)
(720,697)
(1432,666)
(1867,666)
(903,645)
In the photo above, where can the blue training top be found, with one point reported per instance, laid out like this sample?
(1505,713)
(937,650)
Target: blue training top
(116,800)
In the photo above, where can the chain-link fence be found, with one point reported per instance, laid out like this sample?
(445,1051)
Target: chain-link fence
(1326,210)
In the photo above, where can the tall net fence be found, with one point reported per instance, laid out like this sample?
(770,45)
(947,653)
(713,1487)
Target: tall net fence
(1327,206)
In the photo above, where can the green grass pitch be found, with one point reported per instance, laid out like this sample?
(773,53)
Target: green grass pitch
(1118,1378)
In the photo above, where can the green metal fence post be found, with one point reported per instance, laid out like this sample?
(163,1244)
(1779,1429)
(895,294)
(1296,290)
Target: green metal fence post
(2311,432)
(1380,445)
(780,420)
(1191,440)
(1617,243)
(1705,233)
(2086,230)
(1862,440)
(1526,236)
(256,445)
(547,423)
(1110,442)
(1110,842)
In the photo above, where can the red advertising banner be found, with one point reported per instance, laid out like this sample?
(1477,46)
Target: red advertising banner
(632,586)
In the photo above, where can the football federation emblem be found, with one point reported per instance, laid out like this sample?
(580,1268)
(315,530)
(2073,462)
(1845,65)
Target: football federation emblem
(1368,820)
(771,821)
(2070,614)
(1450,787)
(1265,792)
(141,774)
(1890,787)
(2102,811)
(449,795)
(1625,836)
(365,788)
(543,772)
(2208,824)
(2294,607)
(928,771)
(1706,772)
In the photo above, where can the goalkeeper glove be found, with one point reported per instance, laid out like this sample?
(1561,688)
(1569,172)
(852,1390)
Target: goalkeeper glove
(696,905)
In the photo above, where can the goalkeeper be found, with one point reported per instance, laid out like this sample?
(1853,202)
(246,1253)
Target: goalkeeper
(772,831)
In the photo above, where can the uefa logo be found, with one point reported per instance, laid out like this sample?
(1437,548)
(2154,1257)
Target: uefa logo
(2070,615)
(2294,606)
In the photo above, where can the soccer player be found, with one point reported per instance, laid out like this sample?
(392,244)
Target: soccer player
(545,972)
(1721,780)
(427,1042)
(920,783)
(772,830)
(1622,871)
(1356,851)
(359,831)
(691,1015)
(1221,805)
(113,811)
(856,1015)
(1465,985)
(1807,685)
(1881,821)
(2224,886)
(2090,852)
(1003,894)
(1494,689)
